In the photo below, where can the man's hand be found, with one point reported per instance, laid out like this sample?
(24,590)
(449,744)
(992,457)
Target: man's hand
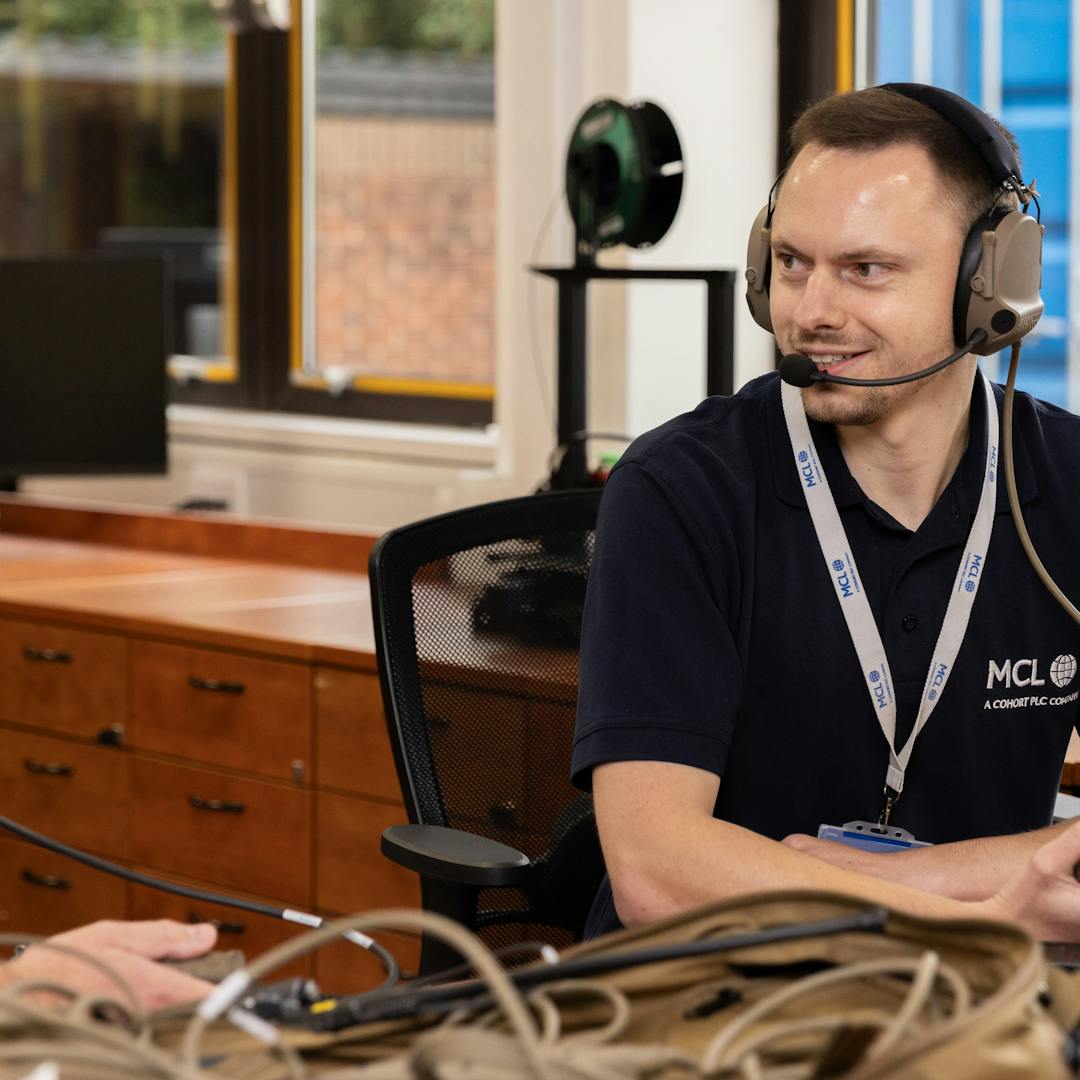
(1044,896)
(132,948)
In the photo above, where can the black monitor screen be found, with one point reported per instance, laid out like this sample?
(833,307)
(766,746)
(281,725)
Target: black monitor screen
(82,365)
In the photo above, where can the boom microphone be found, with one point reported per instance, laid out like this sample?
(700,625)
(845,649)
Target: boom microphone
(798,370)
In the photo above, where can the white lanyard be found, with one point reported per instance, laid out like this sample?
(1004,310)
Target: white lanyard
(851,593)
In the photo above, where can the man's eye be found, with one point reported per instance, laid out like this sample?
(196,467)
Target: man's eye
(868,270)
(786,260)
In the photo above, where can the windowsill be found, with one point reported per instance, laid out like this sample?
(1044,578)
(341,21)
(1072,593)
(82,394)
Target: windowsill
(296,433)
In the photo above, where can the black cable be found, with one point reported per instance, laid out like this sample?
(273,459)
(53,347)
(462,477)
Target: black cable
(461,970)
(555,458)
(407,1001)
(386,958)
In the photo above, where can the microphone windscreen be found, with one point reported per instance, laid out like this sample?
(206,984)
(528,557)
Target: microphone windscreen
(798,370)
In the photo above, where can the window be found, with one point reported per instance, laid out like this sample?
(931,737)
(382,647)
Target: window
(326,193)
(112,139)
(1011,57)
(393,293)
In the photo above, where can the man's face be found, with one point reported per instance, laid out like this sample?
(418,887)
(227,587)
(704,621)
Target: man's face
(865,251)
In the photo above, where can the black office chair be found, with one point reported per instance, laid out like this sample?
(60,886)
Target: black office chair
(477,621)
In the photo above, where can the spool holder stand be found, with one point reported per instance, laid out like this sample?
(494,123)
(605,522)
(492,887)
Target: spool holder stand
(572,323)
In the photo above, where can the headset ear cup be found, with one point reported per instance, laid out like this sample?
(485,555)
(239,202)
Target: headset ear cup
(997,288)
(970,257)
(758,269)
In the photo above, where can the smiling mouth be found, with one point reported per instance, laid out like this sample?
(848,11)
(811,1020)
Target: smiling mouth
(834,362)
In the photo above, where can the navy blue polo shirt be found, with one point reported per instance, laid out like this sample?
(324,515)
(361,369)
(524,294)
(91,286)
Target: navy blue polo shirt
(712,635)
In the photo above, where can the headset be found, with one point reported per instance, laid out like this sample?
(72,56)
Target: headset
(997,299)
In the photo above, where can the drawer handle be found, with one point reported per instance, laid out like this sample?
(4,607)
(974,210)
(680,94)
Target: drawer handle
(49,656)
(221,927)
(45,881)
(217,806)
(217,685)
(48,768)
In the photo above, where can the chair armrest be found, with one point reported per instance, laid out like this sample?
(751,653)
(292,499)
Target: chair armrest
(451,855)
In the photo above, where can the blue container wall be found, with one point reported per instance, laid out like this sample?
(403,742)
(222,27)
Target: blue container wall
(1034,106)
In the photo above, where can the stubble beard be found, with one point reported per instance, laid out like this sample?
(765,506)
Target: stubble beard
(853,407)
(858,406)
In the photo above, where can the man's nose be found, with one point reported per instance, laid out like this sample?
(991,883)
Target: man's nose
(820,306)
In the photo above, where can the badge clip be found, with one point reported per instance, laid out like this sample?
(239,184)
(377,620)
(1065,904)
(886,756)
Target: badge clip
(891,795)
(881,839)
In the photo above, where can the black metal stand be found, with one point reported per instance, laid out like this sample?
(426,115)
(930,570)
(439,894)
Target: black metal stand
(572,412)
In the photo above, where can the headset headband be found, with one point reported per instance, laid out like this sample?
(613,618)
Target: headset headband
(999,274)
(976,126)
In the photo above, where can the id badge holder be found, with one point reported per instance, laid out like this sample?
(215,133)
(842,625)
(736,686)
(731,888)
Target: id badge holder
(870,836)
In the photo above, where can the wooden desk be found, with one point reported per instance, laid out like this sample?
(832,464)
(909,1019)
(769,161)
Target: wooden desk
(235,665)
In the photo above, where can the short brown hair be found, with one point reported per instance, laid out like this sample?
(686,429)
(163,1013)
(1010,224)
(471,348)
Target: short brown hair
(874,118)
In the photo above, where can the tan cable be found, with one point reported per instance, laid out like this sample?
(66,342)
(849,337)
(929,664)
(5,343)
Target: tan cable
(921,987)
(471,948)
(724,1040)
(74,1022)
(104,1042)
(1014,499)
(116,1039)
(752,1049)
(620,1009)
(101,966)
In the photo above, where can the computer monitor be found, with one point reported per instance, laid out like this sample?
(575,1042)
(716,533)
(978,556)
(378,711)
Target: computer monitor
(196,258)
(82,365)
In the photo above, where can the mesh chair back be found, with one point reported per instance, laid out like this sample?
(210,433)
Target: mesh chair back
(478,616)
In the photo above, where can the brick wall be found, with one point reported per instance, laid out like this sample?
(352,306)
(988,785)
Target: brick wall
(405,214)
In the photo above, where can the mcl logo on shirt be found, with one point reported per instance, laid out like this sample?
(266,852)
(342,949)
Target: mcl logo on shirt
(1026,672)
(1012,673)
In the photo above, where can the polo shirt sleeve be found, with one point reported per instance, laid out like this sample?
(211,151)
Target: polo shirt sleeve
(661,677)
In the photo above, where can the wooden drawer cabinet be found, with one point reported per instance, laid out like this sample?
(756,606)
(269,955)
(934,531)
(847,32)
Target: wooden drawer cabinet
(477,740)
(66,680)
(222,708)
(248,749)
(352,751)
(244,834)
(68,790)
(351,874)
(548,789)
(45,893)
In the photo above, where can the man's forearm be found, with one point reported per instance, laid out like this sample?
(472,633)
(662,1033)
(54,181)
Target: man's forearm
(965,870)
(665,852)
(673,876)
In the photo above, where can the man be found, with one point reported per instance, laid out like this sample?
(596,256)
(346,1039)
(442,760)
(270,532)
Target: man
(132,949)
(723,707)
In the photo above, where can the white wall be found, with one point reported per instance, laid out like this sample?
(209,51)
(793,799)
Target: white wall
(712,65)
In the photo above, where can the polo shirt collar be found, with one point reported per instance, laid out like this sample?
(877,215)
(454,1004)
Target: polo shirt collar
(846,492)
